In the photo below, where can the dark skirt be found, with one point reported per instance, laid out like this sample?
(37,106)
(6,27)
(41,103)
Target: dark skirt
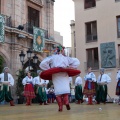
(47,74)
(101,94)
(89,88)
(78,93)
(51,96)
(118,88)
(29,91)
(41,94)
(5,94)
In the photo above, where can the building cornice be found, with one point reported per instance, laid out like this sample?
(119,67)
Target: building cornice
(37,2)
(26,34)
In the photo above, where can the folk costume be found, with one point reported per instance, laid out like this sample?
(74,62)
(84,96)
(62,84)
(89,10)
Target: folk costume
(78,90)
(103,80)
(89,88)
(41,89)
(29,93)
(58,68)
(51,95)
(6,82)
(118,85)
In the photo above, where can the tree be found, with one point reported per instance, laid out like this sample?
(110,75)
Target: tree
(19,86)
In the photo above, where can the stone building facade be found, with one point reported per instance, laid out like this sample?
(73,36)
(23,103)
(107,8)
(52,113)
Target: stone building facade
(97,35)
(73,40)
(58,38)
(25,13)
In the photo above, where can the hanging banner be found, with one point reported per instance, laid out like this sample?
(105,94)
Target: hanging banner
(2,29)
(38,39)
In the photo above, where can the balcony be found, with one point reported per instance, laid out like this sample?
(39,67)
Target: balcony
(29,28)
(91,38)
(94,65)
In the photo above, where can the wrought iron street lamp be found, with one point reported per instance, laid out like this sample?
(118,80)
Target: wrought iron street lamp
(29,54)
(22,55)
(35,59)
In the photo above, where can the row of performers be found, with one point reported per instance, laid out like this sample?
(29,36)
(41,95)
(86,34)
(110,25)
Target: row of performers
(57,68)
(43,94)
(95,87)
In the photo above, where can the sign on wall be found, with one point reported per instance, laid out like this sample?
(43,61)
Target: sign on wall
(2,29)
(38,39)
(108,55)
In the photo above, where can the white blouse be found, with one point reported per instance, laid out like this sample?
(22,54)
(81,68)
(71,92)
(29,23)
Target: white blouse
(10,78)
(59,60)
(27,80)
(90,75)
(78,81)
(105,79)
(39,81)
(61,79)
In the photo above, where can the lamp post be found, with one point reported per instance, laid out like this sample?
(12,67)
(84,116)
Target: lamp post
(29,53)
(22,55)
(35,59)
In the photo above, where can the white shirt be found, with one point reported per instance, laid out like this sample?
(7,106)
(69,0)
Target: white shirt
(47,91)
(46,81)
(118,75)
(27,80)
(39,81)
(60,80)
(90,75)
(51,90)
(10,78)
(70,79)
(59,61)
(105,79)
(78,81)
(61,83)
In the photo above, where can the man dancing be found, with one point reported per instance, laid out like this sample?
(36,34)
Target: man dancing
(58,68)
(6,81)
